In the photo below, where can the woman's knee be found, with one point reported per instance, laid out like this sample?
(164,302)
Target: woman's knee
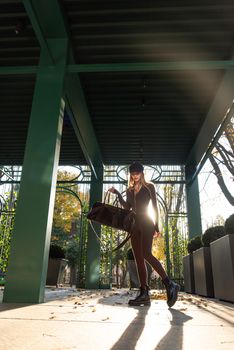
(149,256)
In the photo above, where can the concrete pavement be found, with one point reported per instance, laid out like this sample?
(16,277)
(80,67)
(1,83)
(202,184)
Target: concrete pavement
(102,320)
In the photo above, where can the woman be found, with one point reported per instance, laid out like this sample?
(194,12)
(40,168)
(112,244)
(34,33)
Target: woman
(139,194)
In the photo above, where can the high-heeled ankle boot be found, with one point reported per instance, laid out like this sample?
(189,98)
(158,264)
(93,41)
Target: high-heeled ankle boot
(142,299)
(172,293)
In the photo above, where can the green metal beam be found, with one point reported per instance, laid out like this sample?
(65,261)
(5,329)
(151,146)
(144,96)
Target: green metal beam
(126,67)
(28,4)
(26,275)
(48,22)
(193,209)
(219,108)
(79,116)
(18,70)
(155,66)
(92,278)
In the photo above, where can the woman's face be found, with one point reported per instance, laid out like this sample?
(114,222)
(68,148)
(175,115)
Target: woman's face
(136,176)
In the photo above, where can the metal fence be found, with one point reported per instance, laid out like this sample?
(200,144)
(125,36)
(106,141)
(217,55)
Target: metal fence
(170,187)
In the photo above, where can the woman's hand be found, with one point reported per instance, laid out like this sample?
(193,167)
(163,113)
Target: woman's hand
(157,234)
(112,189)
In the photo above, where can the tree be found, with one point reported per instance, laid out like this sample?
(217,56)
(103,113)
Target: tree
(174,198)
(7,215)
(219,221)
(67,209)
(222,159)
(158,248)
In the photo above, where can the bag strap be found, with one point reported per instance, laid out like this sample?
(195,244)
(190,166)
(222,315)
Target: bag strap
(116,201)
(98,238)
(129,235)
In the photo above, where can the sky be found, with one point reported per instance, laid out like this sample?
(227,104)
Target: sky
(212,200)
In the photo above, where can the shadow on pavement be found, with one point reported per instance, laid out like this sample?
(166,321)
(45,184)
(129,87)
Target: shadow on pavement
(174,337)
(133,332)
(128,340)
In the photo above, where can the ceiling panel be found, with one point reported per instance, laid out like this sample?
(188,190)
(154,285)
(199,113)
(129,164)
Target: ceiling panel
(151,116)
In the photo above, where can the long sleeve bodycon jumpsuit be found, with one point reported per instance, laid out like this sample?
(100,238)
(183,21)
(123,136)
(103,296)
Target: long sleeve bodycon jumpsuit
(142,236)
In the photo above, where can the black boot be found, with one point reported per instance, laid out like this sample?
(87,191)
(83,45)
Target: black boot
(142,299)
(172,293)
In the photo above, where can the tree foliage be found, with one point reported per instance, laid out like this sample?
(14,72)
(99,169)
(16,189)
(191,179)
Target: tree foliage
(222,157)
(7,214)
(67,209)
(174,198)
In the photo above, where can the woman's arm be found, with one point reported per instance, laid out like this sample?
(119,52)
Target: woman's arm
(125,204)
(155,205)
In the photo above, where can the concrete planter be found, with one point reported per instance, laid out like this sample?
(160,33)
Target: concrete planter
(222,257)
(203,272)
(55,271)
(189,284)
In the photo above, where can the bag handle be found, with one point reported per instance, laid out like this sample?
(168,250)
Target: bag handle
(116,202)
(107,195)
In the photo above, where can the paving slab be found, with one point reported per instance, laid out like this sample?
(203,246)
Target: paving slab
(102,320)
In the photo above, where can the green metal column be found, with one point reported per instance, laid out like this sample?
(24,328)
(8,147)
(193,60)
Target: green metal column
(193,209)
(26,275)
(93,246)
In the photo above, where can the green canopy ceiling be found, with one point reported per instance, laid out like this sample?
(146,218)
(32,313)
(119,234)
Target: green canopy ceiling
(153,79)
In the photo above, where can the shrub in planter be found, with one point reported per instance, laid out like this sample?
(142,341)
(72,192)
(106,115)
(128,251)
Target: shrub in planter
(56,252)
(56,265)
(211,234)
(188,269)
(203,277)
(222,257)
(229,225)
(194,244)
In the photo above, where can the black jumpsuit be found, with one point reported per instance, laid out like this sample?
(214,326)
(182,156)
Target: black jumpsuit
(142,236)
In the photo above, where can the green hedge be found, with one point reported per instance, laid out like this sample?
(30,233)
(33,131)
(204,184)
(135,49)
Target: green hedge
(212,234)
(194,244)
(229,225)
(56,252)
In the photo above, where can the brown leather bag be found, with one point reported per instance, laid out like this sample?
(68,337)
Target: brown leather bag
(113,216)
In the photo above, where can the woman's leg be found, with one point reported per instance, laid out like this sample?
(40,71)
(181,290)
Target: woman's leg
(142,249)
(136,242)
(143,298)
(147,239)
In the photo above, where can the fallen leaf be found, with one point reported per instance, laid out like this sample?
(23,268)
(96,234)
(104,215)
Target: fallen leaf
(107,318)
(158,296)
